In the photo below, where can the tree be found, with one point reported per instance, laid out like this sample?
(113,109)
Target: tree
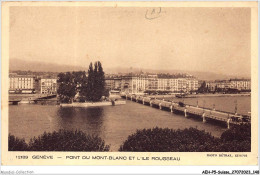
(203,88)
(80,79)
(100,80)
(169,140)
(16,144)
(70,84)
(89,88)
(239,133)
(95,88)
(61,140)
(64,140)
(235,139)
(67,88)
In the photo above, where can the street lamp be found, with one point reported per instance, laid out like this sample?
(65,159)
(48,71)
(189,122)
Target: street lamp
(235,107)
(204,105)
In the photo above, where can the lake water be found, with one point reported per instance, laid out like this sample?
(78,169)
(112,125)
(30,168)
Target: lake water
(111,123)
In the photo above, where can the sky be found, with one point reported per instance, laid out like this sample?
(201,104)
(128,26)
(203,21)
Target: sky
(195,39)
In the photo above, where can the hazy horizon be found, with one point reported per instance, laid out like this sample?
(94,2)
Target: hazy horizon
(50,67)
(215,40)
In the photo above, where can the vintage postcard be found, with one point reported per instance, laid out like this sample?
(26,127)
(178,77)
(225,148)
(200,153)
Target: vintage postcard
(129,83)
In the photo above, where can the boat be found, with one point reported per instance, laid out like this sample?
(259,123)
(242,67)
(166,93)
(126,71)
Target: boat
(181,104)
(94,104)
(24,102)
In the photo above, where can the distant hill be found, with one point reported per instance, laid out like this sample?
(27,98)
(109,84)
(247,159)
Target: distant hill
(199,75)
(18,64)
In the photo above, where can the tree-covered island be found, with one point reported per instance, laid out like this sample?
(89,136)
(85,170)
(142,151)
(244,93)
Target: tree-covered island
(82,86)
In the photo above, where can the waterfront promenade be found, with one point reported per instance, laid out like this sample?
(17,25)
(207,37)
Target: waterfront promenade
(190,111)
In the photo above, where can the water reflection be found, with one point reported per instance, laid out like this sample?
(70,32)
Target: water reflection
(87,119)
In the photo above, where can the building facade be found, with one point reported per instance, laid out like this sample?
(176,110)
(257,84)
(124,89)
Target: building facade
(192,85)
(113,83)
(126,84)
(163,84)
(211,85)
(238,84)
(31,84)
(223,84)
(139,84)
(48,86)
(21,83)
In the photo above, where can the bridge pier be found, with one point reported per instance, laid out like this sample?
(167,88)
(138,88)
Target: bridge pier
(203,118)
(228,123)
(185,113)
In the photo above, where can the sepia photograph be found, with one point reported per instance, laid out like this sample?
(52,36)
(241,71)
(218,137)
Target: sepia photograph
(132,79)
